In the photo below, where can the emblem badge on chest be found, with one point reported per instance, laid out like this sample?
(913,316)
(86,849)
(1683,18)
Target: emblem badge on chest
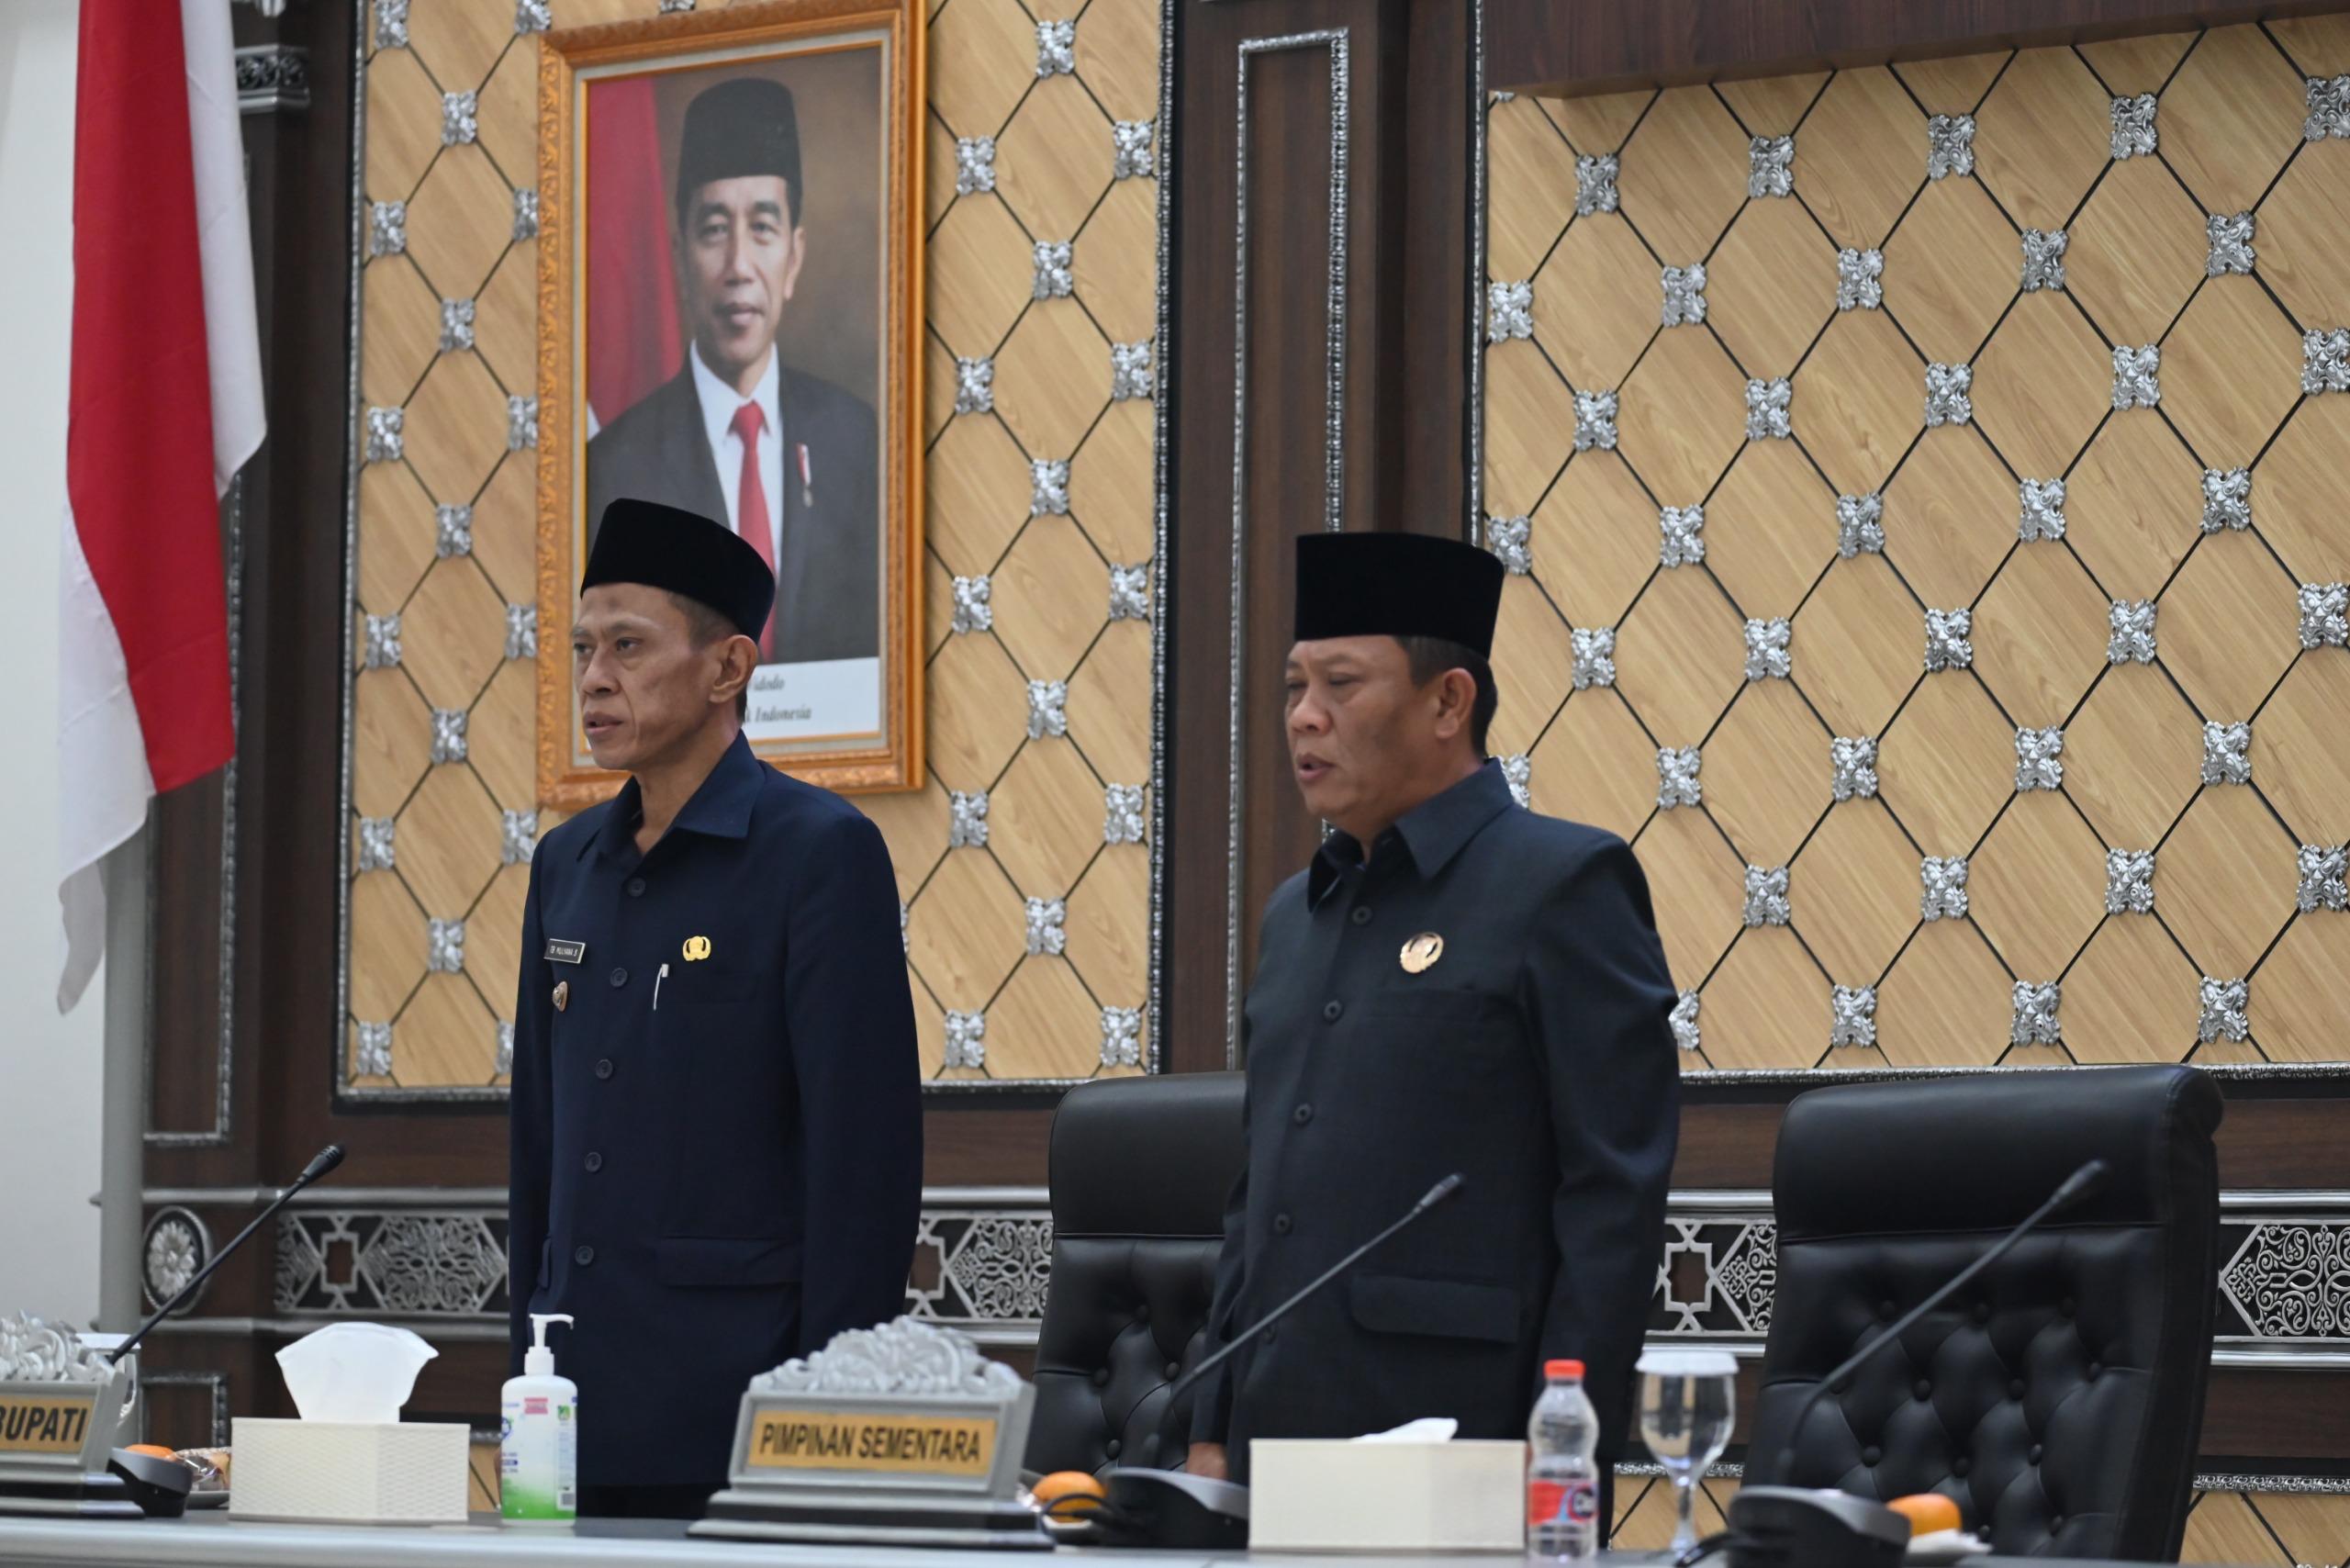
(1421,952)
(561,995)
(696,948)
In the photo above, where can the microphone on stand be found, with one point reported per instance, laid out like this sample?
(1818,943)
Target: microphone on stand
(321,1164)
(1773,1524)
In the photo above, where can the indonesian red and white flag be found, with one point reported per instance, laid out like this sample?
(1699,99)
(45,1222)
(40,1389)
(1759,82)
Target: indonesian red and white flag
(166,406)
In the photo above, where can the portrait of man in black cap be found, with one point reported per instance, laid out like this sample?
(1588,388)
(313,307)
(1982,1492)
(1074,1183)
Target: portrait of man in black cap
(790,460)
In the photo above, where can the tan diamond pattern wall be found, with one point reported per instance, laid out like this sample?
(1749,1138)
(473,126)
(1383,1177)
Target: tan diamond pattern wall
(2115,615)
(1039,701)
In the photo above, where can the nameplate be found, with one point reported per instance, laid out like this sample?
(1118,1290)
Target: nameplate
(44,1423)
(559,952)
(875,1442)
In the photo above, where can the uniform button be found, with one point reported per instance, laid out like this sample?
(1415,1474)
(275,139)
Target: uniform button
(1271,1335)
(1331,1008)
(1925,1389)
(604,1067)
(1281,1224)
(1302,1115)
(1362,915)
(636,887)
(595,1163)
(2033,1456)
(1872,1455)
(583,1254)
(620,977)
(1112,1447)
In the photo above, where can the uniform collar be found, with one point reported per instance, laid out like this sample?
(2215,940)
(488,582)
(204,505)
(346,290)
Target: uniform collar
(1431,833)
(719,808)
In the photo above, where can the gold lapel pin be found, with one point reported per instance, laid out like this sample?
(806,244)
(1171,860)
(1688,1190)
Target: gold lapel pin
(696,948)
(561,995)
(1421,953)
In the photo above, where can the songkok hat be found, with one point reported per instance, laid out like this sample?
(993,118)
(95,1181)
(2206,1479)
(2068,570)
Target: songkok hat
(684,551)
(1397,585)
(744,126)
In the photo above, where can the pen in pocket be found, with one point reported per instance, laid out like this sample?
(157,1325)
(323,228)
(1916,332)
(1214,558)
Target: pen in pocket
(657,987)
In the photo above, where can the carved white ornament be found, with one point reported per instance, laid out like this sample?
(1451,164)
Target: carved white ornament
(1767,896)
(2227,499)
(2329,107)
(1766,408)
(1684,531)
(2035,1022)
(460,118)
(32,1351)
(2043,259)
(1685,1008)
(1594,649)
(1596,175)
(905,928)
(1944,881)
(1048,487)
(2326,615)
(444,946)
(521,423)
(973,612)
(453,532)
(448,735)
(1852,766)
(1048,925)
(2227,753)
(521,631)
(1122,813)
(2222,1008)
(669,7)
(1055,48)
(382,648)
(1858,279)
(2322,871)
(2131,632)
(533,17)
(1767,655)
(1054,278)
(378,839)
(974,166)
(374,1059)
(174,1255)
(1122,1036)
(2134,126)
(1950,145)
(502,1062)
(974,385)
(1596,420)
(2325,360)
(903,1357)
(1860,526)
(1949,643)
(2040,758)
(1130,592)
(1947,394)
(1770,166)
(1131,155)
(1510,540)
(1509,312)
(1852,1015)
(1131,374)
(387,229)
(384,443)
(1685,294)
(2128,881)
(526,215)
(2040,514)
(1518,772)
(1676,775)
(2231,237)
(518,836)
(966,1039)
(967,819)
(2137,376)
(391,24)
(1047,709)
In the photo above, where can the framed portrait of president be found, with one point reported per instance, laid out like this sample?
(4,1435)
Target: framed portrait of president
(730,287)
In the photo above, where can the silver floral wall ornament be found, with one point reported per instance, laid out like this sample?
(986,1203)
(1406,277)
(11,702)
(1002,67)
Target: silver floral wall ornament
(444,946)
(1852,767)
(377,847)
(973,610)
(1122,813)
(974,385)
(453,532)
(1684,1019)
(1949,640)
(1596,175)
(1860,526)
(967,819)
(1131,157)
(456,325)
(2230,241)
(1767,896)
(1771,166)
(1683,534)
(2227,753)
(1518,771)
(521,631)
(1676,778)
(1685,294)
(2323,878)
(2043,259)
(375,1055)
(1948,389)
(1047,709)
(1950,146)
(2325,360)
(1510,539)
(2326,615)
(2131,631)
(1130,592)
(460,118)
(2040,758)
(1131,375)
(2329,107)
(448,735)
(1122,1036)
(526,216)
(521,424)
(1054,277)
(967,1040)
(1048,487)
(905,928)
(1858,275)
(2222,1010)
(1509,312)
(2128,881)
(1852,1015)
(1767,408)
(1594,649)
(1596,420)
(533,17)
(2137,376)
(383,439)
(518,837)
(1768,656)
(1943,878)
(2227,499)
(1048,925)
(387,229)
(502,1060)
(1055,48)
(391,24)
(2134,126)
(382,648)
(2041,509)
(2035,1022)
(974,166)
(671,7)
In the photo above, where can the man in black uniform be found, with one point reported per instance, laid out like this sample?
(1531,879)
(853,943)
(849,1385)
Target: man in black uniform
(1453,984)
(716,1123)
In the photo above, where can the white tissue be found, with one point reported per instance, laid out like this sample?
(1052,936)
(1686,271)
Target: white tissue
(1427,1429)
(353,1372)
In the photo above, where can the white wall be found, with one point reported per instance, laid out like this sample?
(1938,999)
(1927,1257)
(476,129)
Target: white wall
(49,1066)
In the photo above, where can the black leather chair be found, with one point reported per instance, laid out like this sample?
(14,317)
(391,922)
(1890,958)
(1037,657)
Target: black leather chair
(2058,1398)
(1141,1170)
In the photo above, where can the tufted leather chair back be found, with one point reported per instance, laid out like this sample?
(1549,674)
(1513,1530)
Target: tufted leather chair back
(1141,1170)
(2058,1398)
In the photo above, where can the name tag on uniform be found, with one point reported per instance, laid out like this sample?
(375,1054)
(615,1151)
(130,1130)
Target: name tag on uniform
(566,952)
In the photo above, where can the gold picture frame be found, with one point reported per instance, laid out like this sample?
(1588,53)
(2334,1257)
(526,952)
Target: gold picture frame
(673,53)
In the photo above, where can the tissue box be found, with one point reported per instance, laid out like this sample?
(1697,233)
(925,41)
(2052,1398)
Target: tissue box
(1327,1495)
(399,1473)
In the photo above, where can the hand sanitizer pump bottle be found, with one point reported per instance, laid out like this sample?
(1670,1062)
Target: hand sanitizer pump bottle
(538,1437)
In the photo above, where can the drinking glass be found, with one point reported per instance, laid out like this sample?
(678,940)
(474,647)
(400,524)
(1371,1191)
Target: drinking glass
(1687,1398)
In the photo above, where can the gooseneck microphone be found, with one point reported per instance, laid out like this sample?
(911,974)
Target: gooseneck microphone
(324,1161)
(1436,1194)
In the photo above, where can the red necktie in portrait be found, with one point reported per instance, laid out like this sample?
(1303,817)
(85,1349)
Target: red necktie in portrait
(751,507)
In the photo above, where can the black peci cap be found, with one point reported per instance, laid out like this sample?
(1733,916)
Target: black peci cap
(743,126)
(685,552)
(1397,585)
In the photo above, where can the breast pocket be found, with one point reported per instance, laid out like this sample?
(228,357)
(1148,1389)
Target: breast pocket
(1443,1032)
(696,985)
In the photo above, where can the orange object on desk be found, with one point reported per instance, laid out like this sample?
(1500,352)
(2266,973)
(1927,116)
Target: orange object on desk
(1927,1512)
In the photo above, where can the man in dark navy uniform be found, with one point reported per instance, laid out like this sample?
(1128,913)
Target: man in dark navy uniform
(1453,984)
(717,1128)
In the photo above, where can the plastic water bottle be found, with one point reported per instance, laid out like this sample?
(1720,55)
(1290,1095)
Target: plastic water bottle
(1563,1474)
